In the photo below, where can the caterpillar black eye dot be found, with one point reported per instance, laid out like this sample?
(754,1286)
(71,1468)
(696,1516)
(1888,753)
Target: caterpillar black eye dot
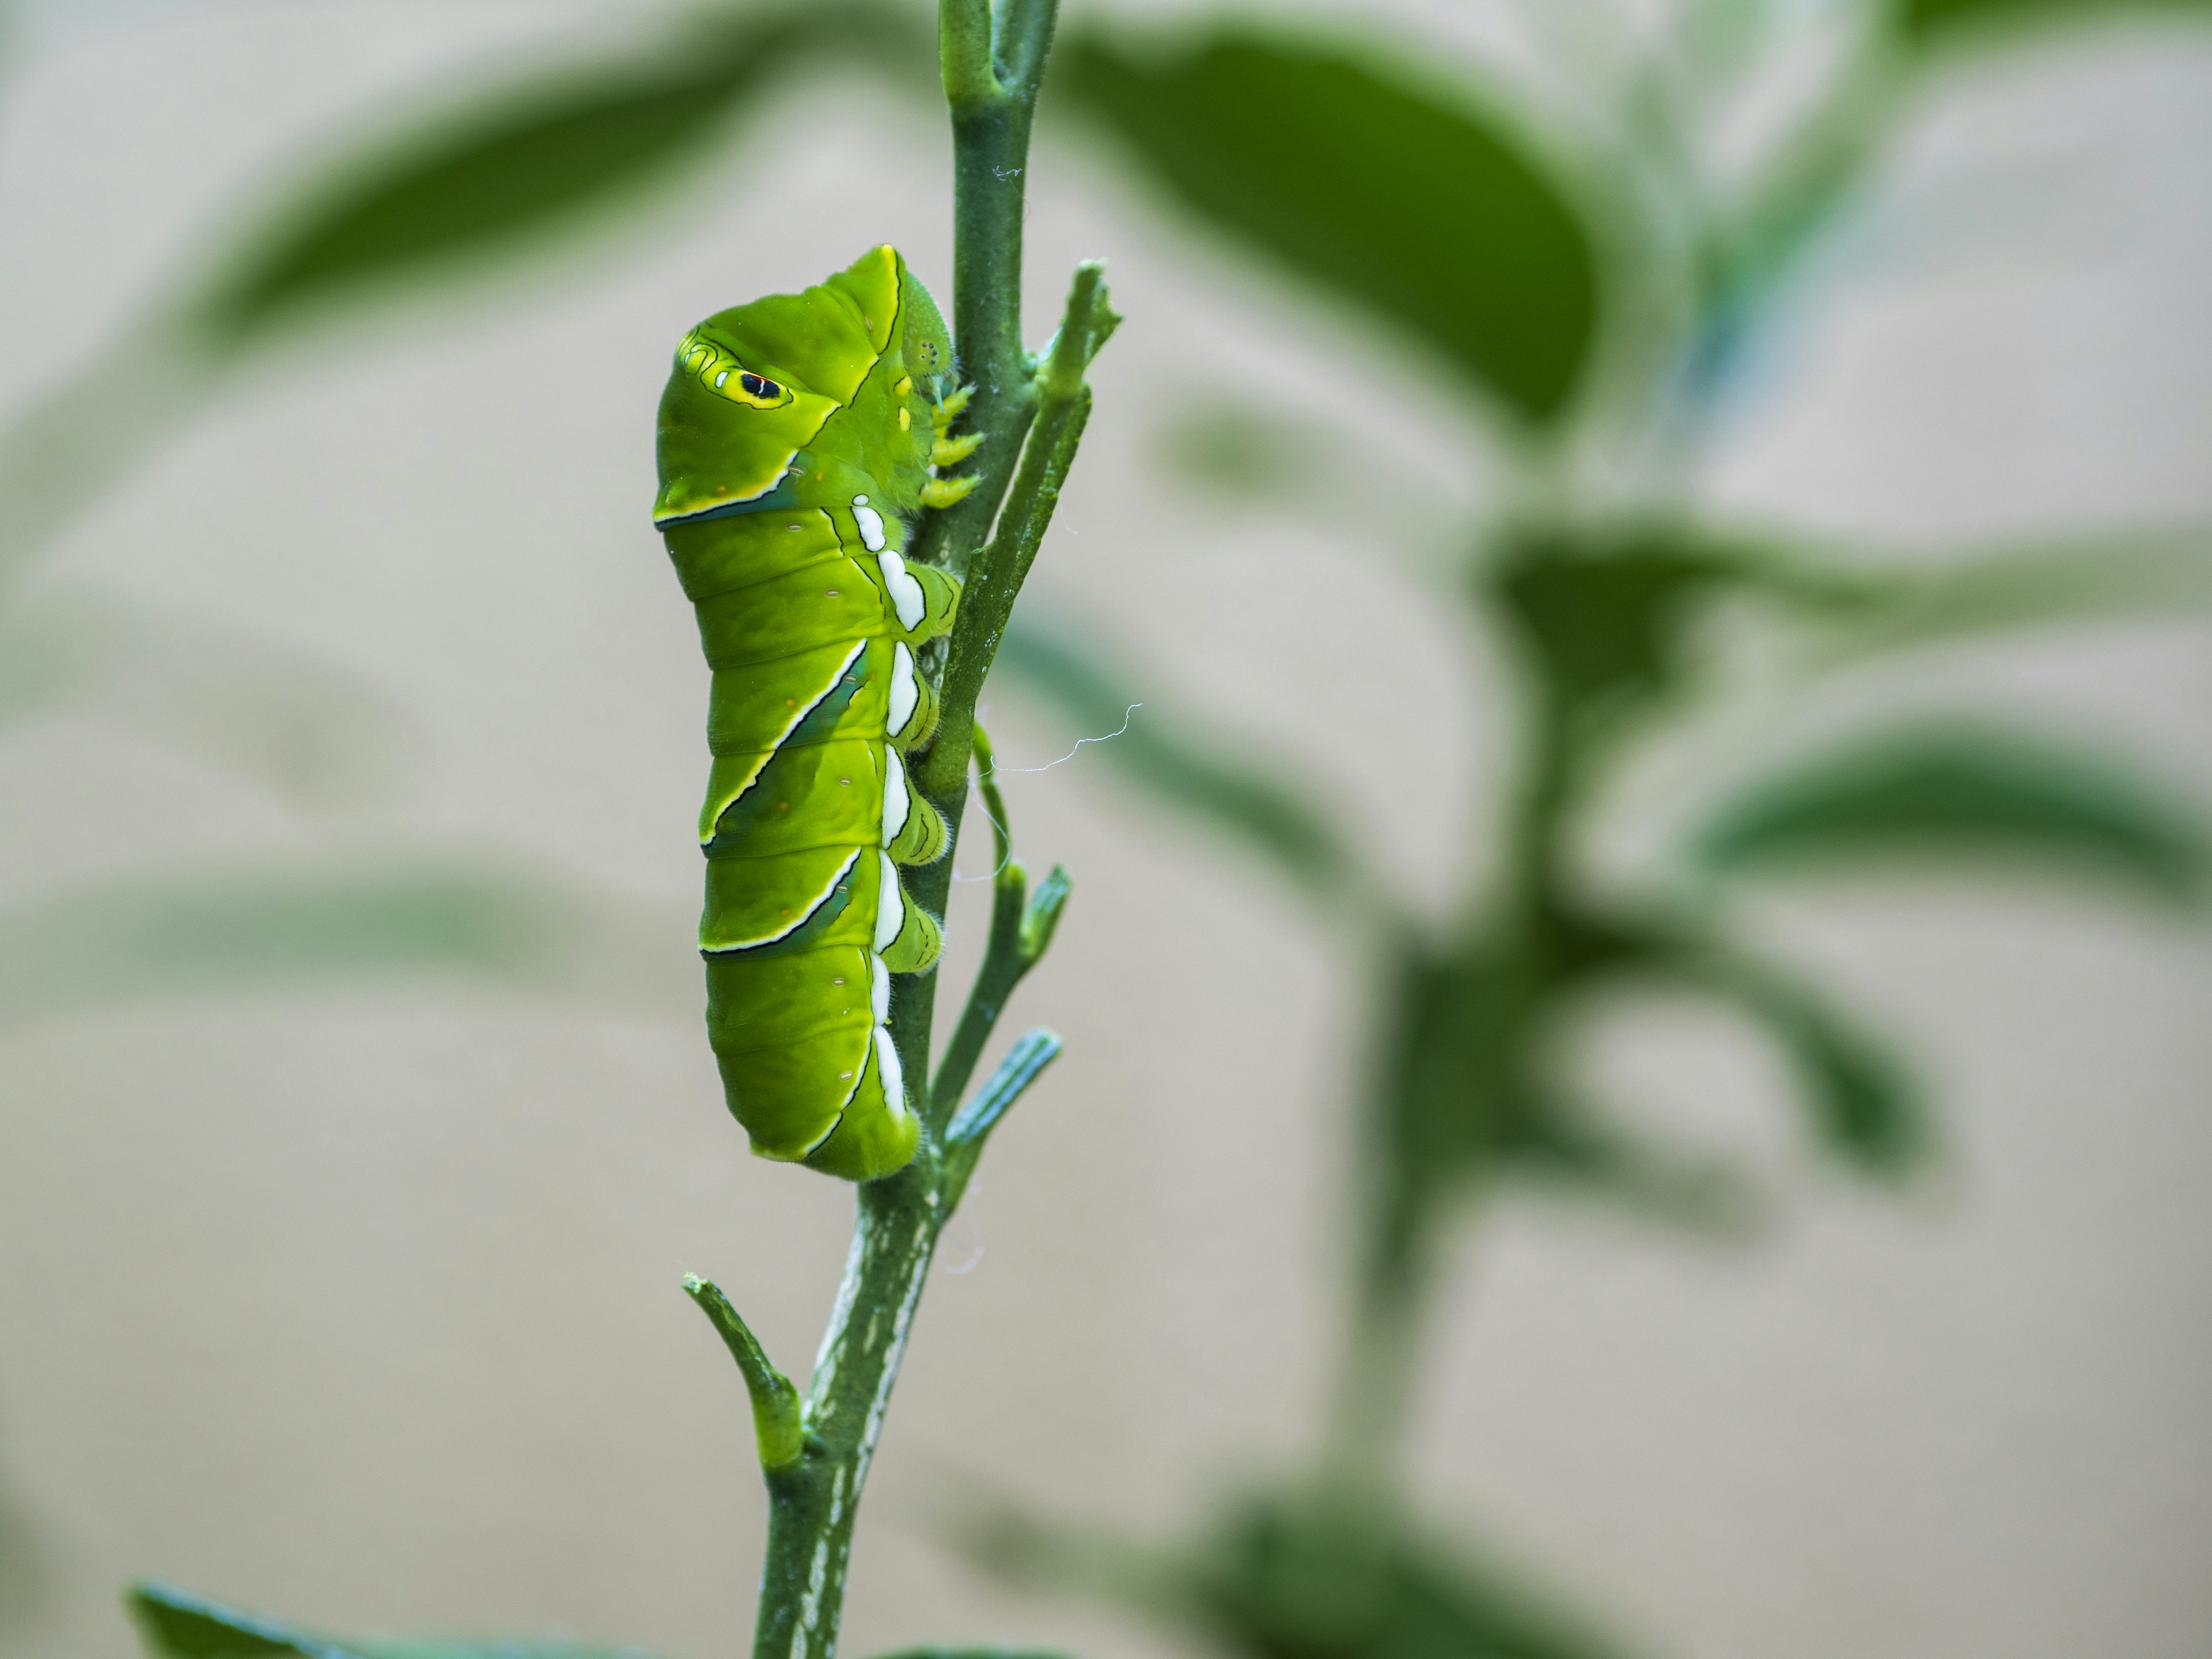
(785,504)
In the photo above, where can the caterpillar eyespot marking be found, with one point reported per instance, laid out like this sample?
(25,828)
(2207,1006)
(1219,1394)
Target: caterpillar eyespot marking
(816,687)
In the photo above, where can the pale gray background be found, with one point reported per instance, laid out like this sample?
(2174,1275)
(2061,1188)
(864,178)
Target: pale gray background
(366,1309)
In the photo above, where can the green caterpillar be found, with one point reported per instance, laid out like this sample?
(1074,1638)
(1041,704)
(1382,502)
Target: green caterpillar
(797,436)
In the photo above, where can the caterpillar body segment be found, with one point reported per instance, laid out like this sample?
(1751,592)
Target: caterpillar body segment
(797,440)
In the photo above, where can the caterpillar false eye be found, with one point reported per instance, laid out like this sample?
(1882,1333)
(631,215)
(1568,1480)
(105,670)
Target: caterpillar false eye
(785,503)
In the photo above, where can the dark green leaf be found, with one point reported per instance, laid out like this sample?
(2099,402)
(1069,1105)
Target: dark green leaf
(1976,793)
(178,1625)
(495,170)
(311,929)
(1388,189)
(1924,19)
(1200,777)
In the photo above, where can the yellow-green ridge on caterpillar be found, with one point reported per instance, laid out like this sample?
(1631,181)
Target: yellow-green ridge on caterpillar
(798,440)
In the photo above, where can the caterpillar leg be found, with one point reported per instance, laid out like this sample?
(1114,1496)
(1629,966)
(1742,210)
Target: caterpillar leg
(913,830)
(907,937)
(911,716)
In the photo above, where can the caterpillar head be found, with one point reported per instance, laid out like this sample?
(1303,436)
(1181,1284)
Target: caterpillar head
(752,386)
(730,421)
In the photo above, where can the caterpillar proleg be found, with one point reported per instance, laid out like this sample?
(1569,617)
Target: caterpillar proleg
(797,440)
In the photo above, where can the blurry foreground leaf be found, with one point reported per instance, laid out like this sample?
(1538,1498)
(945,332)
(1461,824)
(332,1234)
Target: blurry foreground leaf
(505,165)
(1388,188)
(1925,20)
(1242,455)
(499,171)
(1261,812)
(75,440)
(315,733)
(1246,453)
(178,1624)
(1979,795)
(1308,1576)
(313,928)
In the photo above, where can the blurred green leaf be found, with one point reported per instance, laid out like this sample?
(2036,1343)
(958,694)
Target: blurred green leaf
(1608,614)
(1607,631)
(498,171)
(311,929)
(1576,1153)
(178,1625)
(1388,188)
(75,440)
(1307,1575)
(1246,453)
(2148,574)
(1864,1104)
(1977,793)
(1239,455)
(1924,19)
(321,735)
(1201,777)
(1467,1093)
(505,165)
(26,1585)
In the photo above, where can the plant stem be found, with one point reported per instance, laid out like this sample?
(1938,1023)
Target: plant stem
(990,83)
(1375,1385)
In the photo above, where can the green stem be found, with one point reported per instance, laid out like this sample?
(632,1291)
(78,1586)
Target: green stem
(1002,958)
(990,83)
(1375,1385)
(777,1432)
(1061,404)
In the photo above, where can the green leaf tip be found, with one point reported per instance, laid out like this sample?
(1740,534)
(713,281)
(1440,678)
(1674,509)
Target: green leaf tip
(1023,1064)
(1041,919)
(1088,323)
(1380,182)
(778,1420)
(1984,795)
(179,1625)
